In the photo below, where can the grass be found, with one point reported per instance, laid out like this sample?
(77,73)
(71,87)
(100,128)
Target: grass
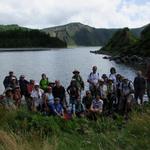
(22,130)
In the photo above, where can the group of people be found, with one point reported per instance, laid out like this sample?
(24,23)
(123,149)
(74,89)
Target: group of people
(107,94)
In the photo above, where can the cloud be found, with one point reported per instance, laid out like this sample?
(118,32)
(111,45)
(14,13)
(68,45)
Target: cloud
(97,13)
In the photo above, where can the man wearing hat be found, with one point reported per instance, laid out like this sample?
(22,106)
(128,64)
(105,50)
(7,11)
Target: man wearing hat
(8,79)
(23,83)
(79,80)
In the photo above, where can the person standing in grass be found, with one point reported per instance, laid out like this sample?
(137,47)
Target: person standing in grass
(59,91)
(37,98)
(44,82)
(148,81)
(8,79)
(74,94)
(112,75)
(127,91)
(23,83)
(79,80)
(139,87)
(93,79)
(48,99)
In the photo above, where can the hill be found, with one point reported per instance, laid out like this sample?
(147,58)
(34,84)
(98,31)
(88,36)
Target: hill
(123,42)
(83,35)
(142,48)
(14,36)
(120,42)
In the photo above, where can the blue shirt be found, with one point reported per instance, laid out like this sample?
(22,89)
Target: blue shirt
(56,108)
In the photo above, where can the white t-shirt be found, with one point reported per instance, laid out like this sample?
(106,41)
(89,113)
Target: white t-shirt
(113,78)
(103,91)
(94,78)
(37,96)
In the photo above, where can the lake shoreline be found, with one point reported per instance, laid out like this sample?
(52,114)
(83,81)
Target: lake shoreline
(25,49)
(140,63)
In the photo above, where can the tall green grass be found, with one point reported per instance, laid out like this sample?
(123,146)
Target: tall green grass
(23,130)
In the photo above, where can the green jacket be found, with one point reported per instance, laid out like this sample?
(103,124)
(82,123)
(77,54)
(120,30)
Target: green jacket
(44,84)
(79,82)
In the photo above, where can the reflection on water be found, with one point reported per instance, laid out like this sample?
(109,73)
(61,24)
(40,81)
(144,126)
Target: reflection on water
(57,64)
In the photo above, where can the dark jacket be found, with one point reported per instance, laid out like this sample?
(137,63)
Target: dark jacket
(59,92)
(23,87)
(139,84)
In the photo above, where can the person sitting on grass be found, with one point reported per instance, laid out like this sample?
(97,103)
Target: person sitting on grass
(96,108)
(97,105)
(56,108)
(8,102)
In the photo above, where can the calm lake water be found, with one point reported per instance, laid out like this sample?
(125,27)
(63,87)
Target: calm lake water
(57,64)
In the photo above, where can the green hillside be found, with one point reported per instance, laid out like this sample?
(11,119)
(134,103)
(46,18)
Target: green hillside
(12,27)
(124,42)
(14,36)
(120,41)
(79,34)
(83,35)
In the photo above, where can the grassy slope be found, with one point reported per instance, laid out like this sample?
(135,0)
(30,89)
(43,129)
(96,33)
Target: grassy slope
(21,130)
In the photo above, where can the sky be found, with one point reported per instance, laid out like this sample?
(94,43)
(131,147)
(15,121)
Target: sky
(96,13)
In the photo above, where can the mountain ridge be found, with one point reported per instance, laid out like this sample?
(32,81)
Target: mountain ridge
(83,35)
(78,34)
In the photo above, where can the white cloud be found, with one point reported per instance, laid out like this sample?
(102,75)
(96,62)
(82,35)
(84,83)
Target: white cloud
(97,13)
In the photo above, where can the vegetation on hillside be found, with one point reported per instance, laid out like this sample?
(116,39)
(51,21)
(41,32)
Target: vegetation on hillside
(83,35)
(72,34)
(80,34)
(120,42)
(13,36)
(22,130)
(125,43)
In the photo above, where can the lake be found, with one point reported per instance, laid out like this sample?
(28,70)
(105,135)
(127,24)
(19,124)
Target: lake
(57,64)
